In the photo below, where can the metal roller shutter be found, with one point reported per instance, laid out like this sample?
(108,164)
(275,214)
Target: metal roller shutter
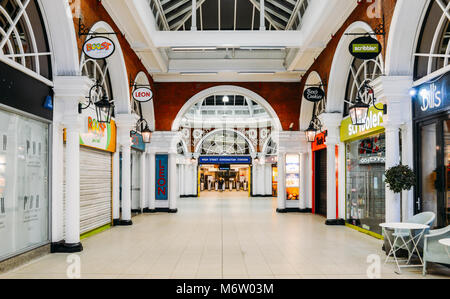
(95,189)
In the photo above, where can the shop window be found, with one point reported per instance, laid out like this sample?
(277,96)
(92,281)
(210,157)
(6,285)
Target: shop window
(433,49)
(365,182)
(24,185)
(24,42)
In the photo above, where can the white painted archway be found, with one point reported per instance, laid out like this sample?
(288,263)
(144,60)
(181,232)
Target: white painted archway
(227,89)
(307,107)
(147,108)
(118,71)
(58,19)
(250,145)
(403,36)
(339,69)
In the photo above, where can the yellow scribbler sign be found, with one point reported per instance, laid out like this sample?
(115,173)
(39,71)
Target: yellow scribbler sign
(373,125)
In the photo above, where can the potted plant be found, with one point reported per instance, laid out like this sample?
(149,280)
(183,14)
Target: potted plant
(400,178)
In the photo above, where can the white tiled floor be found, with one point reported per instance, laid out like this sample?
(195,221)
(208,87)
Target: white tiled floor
(214,237)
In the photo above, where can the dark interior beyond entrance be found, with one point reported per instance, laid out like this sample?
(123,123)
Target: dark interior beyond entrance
(321,182)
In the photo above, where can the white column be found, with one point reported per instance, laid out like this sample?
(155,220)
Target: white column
(262,16)
(281,198)
(172,183)
(268,180)
(195,178)
(126,184)
(331,181)
(125,123)
(303,182)
(342,181)
(394,92)
(69,91)
(72,180)
(392,159)
(194,16)
(116,185)
(57,180)
(408,159)
(143,185)
(332,122)
(152,186)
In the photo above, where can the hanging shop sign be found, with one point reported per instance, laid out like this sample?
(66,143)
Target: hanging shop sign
(137,142)
(142,94)
(373,124)
(225,160)
(97,135)
(314,94)
(162,177)
(365,48)
(320,142)
(431,97)
(99,47)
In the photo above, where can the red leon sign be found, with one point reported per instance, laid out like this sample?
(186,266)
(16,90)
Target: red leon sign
(143,94)
(162,177)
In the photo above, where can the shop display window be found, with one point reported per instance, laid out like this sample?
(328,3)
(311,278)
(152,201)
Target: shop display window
(365,192)
(24,184)
(292,177)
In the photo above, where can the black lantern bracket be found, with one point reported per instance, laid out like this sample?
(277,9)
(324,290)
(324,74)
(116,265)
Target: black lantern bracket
(104,103)
(83,30)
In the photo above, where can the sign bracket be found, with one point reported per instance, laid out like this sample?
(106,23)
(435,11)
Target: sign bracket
(83,30)
(380,30)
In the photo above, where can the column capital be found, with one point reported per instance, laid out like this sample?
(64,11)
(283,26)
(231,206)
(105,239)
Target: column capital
(72,122)
(71,88)
(393,91)
(332,123)
(291,141)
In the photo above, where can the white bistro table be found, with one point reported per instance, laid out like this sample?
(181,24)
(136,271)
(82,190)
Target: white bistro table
(400,235)
(446,243)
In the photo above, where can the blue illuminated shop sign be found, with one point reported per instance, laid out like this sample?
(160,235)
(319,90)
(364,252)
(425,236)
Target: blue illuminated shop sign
(225,160)
(431,97)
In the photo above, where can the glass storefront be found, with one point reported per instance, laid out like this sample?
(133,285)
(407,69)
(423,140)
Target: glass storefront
(365,188)
(24,183)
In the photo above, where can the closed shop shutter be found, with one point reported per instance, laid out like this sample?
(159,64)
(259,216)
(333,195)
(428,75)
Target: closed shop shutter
(95,189)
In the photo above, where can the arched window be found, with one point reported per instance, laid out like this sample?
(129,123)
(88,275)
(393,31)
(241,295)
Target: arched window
(98,71)
(225,143)
(360,71)
(22,36)
(433,49)
(271,148)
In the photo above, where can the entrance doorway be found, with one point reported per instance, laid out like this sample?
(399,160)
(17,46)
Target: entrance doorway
(320,184)
(433,164)
(224,178)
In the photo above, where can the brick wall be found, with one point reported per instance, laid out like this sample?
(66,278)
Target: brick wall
(285,99)
(92,11)
(322,64)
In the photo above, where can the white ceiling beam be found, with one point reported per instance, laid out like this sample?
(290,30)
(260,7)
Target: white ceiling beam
(224,39)
(187,16)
